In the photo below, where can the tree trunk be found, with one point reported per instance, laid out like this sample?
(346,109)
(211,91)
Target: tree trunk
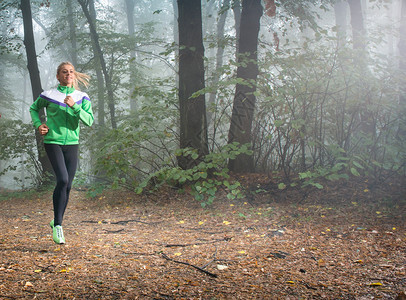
(244,99)
(220,52)
(340,11)
(365,117)
(402,50)
(36,87)
(402,65)
(176,38)
(193,123)
(130,4)
(95,38)
(72,34)
(99,75)
(237,20)
(357,24)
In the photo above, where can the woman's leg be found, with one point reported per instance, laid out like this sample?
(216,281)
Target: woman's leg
(71,161)
(64,162)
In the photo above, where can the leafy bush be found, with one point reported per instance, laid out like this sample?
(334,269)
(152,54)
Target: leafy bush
(18,150)
(205,179)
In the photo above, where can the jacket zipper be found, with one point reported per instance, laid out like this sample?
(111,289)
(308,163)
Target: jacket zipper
(66,119)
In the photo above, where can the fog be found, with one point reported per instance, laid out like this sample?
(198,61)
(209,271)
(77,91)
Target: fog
(143,70)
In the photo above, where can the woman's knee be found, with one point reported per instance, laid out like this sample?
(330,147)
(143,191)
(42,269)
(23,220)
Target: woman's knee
(62,181)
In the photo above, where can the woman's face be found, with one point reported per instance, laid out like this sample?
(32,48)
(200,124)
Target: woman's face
(66,75)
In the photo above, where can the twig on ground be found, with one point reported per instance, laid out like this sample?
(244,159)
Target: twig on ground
(187,264)
(113,231)
(213,256)
(226,239)
(120,222)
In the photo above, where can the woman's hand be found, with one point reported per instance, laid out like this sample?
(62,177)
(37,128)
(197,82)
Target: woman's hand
(43,129)
(69,101)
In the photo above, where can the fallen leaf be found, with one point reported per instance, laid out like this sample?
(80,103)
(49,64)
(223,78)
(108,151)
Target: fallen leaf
(321,263)
(375,284)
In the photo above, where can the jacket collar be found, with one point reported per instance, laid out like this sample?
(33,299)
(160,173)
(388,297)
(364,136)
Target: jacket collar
(65,89)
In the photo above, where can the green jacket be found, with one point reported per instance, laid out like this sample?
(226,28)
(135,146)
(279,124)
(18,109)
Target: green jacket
(62,120)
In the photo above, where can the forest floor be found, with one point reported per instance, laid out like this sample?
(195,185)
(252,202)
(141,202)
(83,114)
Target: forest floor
(346,241)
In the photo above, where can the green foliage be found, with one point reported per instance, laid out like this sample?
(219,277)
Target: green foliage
(205,179)
(142,144)
(18,150)
(328,118)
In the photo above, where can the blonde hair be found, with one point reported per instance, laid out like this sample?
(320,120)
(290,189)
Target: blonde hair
(80,78)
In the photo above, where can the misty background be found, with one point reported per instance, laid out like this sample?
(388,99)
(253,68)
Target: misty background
(329,94)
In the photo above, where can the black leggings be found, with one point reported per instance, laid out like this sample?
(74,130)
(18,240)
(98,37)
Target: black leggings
(64,161)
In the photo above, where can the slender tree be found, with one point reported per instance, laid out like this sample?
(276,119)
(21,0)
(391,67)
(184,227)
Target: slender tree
(72,34)
(99,53)
(340,12)
(99,75)
(220,50)
(130,4)
(193,123)
(402,50)
(244,99)
(236,5)
(32,65)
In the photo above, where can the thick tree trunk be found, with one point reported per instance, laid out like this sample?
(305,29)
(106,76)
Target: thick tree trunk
(193,124)
(357,24)
(244,99)
(36,87)
(95,38)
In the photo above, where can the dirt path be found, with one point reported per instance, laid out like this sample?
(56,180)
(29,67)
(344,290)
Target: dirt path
(121,246)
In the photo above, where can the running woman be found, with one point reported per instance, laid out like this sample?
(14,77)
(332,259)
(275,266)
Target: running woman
(65,106)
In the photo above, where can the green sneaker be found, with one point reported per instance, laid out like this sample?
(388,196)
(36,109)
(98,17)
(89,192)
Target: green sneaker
(58,234)
(51,224)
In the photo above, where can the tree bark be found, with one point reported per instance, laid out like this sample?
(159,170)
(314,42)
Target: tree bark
(99,75)
(402,50)
(130,4)
(32,65)
(193,123)
(357,24)
(237,20)
(72,34)
(244,99)
(340,12)
(95,38)
(220,52)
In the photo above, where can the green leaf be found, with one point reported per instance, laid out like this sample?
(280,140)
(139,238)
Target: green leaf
(354,172)
(281,186)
